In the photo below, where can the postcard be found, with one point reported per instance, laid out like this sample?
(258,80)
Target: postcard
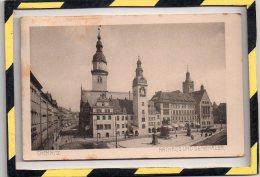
(132,86)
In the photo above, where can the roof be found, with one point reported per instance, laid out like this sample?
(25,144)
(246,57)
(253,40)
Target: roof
(197,95)
(174,96)
(122,106)
(34,81)
(91,97)
(99,57)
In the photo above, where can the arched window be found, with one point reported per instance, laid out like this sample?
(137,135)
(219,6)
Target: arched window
(99,79)
(107,134)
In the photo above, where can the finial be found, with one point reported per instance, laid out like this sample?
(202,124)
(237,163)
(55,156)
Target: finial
(187,68)
(139,61)
(99,37)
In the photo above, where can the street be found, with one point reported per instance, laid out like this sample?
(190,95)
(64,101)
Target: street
(73,141)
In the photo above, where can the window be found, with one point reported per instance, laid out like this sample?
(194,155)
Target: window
(123,125)
(107,126)
(104,117)
(123,132)
(103,104)
(166,111)
(99,127)
(117,126)
(143,119)
(109,117)
(107,134)
(126,117)
(143,112)
(98,110)
(98,117)
(107,110)
(123,118)
(117,118)
(166,105)
(99,79)
(143,126)
(132,117)
(142,103)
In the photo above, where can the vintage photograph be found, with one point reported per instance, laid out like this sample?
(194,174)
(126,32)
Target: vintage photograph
(127,86)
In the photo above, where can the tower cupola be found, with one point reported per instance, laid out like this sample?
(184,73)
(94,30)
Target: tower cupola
(188,84)
(99,71)
(139,78)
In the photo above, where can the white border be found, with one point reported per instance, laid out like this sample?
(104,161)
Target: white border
(192,162)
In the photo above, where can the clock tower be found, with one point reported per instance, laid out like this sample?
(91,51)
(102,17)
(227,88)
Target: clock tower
(140,102)
(99,71)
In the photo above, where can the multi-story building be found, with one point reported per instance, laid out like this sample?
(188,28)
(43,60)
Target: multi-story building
(36,129)
(154,118)
(44,117)
(103,113)
(176,108)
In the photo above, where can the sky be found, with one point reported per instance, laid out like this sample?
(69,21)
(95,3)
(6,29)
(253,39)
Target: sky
(61,58)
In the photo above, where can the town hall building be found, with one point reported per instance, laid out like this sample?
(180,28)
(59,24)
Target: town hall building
(105,114)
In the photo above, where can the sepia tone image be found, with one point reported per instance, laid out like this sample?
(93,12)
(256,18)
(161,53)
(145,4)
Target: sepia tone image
(125,86)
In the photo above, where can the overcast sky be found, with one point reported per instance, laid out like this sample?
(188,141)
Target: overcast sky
(61,58)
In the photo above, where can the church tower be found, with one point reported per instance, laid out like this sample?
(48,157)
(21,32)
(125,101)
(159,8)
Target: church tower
(99,72)
(188,84)
(140,102)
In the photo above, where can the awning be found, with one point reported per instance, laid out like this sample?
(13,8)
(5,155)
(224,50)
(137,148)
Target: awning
(181,125)
(175,125)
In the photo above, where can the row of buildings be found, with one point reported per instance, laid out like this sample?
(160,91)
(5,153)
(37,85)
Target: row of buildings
(105,114)
(47,118)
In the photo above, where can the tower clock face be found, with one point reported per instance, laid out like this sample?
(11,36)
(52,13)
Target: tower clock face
(142,91)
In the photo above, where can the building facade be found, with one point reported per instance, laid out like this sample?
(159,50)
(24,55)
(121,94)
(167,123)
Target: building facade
(45,122)
(105,114)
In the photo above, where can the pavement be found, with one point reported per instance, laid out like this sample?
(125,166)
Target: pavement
(180,140)
(217,139)
(75,142)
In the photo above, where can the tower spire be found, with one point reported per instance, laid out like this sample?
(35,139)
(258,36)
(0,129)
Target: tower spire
(99,45)
(99,37)
(187,68)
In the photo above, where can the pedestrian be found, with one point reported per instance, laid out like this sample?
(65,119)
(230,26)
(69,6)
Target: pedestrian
(192,137)
(201,134)
(176,136)
(206,134)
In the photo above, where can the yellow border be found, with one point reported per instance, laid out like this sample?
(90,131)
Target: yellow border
(250,170)
(134,3)
(247,3)
(9,42)
(40,5)
(67,173)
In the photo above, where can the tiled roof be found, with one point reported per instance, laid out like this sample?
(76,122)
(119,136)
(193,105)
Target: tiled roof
(174,96)
(91,97)
(197,95)
(122,106)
